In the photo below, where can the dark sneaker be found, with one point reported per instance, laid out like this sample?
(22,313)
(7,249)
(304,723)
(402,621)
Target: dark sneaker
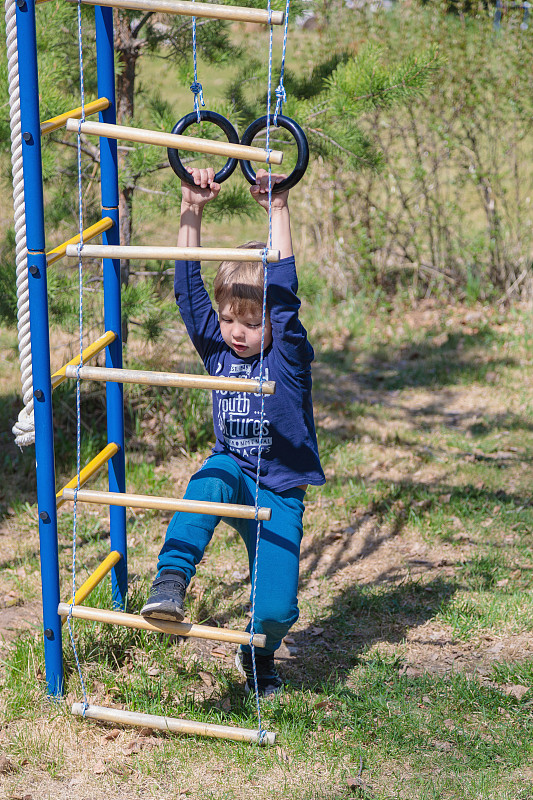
(268,680)
(166,597)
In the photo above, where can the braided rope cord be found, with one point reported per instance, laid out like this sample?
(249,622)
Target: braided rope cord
(78,382)
(281,94)
(261,731)
(196,86)
(24,428)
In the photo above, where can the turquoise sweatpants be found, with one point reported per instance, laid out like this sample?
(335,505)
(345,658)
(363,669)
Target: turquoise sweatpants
(221,480)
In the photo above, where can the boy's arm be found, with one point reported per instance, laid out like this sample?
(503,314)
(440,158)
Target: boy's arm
(289,335)
(193,200)
(191,296)
(281,221)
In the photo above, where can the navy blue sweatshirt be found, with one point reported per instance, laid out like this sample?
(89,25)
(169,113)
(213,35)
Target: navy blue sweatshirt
(289,452)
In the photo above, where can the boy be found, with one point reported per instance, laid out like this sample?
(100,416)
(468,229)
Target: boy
(230,344)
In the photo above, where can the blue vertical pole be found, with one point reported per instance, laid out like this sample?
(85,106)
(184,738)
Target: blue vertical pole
(40,341)
(112,300)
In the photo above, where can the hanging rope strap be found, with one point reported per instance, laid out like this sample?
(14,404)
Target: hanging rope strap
(196,86)
(281,94)
(85,704)
(261,731)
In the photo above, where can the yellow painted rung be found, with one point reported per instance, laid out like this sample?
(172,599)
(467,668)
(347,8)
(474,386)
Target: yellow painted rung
(88,471)
(93,580)
(109,617)
(168,504)
(90,352)
(93,107)
(188,727)
(88,234)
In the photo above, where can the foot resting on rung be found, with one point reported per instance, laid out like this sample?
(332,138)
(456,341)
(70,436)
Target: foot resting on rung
(167,596)
(160,625)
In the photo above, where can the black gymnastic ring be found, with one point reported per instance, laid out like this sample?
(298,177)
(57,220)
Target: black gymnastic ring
(301,141)
(205,116)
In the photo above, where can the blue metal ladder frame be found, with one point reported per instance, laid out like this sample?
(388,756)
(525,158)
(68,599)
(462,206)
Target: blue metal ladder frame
(39,325)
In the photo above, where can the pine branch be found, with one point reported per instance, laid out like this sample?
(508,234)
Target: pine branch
(142,22)
(153,191)
(340,147)
(404,84)
(90,151)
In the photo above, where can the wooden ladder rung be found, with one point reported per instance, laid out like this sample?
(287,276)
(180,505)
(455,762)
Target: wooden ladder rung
(171,253)
(173,725)
(116,375)
(161,626)
(174,140)
(190,9)
(167,504)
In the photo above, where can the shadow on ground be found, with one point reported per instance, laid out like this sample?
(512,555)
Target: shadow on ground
(431,362)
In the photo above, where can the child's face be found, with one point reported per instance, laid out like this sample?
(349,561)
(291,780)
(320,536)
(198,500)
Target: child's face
(243,333)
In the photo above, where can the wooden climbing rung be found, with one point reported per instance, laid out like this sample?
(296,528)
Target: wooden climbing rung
(168,504)
(172,253)
(116,375)
(160,625)
(190,9)
(89,233)
(93,107)
(173,725)
(241,151)
(90,352)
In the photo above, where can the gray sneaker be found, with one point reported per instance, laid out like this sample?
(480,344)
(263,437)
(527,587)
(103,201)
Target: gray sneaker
(268,681)
(166,597)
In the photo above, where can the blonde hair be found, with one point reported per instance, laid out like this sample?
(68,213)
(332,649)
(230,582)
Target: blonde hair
(241,283)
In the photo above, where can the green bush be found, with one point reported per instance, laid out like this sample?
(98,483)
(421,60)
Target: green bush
(449,211)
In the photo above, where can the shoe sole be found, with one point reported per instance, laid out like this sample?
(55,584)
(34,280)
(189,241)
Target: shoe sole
(169,612)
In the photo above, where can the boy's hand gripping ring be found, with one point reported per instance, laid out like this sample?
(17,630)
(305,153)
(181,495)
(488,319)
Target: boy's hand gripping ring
(301,141)
(205,116)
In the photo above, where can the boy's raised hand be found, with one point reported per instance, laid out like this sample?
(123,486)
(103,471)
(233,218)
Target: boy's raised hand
(204,190)
(259,191)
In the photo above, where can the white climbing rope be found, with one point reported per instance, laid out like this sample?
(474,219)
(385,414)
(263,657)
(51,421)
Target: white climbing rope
(24,428)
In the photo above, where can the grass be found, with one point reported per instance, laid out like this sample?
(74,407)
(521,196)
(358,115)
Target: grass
(416,609)
(409,673)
